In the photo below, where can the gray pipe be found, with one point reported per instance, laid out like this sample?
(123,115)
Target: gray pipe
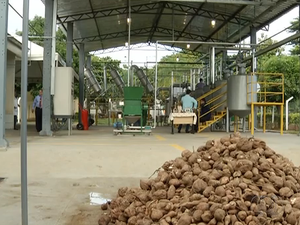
(92,80)
(118,79)
(143,78)
(212,66)
(172,90)
(105,78)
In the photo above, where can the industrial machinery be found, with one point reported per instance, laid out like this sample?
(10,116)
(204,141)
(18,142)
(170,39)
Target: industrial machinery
(239,95)
(143,78)
(134,112)
(63,99)
(118,79)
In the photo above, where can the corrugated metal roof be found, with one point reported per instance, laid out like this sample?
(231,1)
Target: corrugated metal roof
(102,24)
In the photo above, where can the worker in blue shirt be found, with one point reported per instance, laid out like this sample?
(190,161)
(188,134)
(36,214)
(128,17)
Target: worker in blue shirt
(37,108)
(188,102)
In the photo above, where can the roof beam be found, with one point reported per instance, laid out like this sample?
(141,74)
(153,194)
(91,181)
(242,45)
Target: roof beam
(109,12)
(136,32)
(224,24)
(190,21)
(190,10)
(181,9)
(96,23)
(156,21)
(237,2)
(250,23)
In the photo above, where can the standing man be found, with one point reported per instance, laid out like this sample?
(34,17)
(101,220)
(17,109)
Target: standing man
(188,102)
(200,85)
(37,107)
(16,110)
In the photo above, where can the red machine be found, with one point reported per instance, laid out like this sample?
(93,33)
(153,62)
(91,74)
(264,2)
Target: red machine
(84,119)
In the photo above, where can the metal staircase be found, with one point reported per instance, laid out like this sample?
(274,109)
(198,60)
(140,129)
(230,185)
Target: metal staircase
(216,99)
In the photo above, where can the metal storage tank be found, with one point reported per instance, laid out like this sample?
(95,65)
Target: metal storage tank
(144,79)
(237,89)
(118,79)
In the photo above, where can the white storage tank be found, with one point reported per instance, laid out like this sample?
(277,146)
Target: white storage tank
(64,92)
(239,94)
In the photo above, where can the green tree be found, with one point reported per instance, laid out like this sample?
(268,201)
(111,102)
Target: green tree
(295,43)
(289,66)
(36,34)
(264,43)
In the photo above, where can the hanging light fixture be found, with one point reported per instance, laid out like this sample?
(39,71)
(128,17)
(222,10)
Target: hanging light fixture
(213,23)
(188,45)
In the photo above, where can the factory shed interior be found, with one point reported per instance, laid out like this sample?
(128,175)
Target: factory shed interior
(75,163)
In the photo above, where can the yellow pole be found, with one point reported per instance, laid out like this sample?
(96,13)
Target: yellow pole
(265,117)
(281,119)
(234,123)
(249,122)
(252,119)
(238,123)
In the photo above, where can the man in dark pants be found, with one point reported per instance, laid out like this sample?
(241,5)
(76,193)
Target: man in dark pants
(16,110)
(37,107)
(188,102)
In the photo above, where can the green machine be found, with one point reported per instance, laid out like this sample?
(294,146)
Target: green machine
(134,112)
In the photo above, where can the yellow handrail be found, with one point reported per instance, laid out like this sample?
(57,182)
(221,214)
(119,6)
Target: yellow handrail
(216,98)
(211,92)
(277,82)
(211,109)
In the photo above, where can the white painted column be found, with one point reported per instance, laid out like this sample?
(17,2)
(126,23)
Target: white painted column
(10,91)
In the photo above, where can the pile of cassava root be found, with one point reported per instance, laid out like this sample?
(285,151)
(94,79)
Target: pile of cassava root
(232,181)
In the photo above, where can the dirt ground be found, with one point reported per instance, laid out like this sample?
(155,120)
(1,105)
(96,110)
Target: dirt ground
(68,177)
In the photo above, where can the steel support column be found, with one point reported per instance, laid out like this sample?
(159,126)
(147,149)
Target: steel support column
(48,33)
(87,85)
(3,65)
(69,57)
(81,79)
(212,67)
(24,83)
(253,40)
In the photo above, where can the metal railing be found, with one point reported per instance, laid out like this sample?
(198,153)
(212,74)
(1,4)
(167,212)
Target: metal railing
(271,88)
(215,102)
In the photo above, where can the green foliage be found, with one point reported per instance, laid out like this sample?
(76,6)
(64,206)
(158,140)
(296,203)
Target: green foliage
(295,28)
(98,70)
(294,119)
(36,33)
(265,42)
(170,63)
(289,66)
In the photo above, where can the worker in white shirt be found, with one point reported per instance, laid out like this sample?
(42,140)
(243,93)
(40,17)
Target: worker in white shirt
(16,110)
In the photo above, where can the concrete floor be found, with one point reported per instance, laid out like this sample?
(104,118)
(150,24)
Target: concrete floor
(63,171)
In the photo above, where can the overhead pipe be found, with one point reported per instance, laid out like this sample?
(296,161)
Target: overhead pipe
(287,112)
